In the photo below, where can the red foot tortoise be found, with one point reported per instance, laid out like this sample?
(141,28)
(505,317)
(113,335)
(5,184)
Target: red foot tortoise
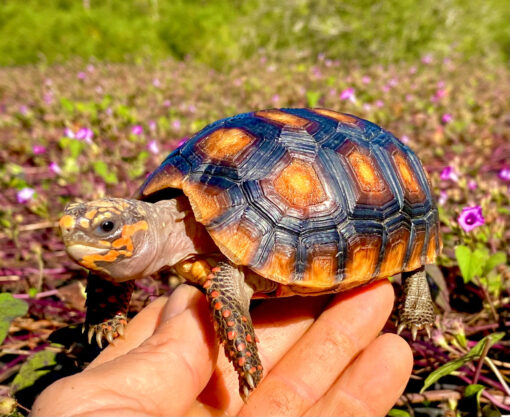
(272,203)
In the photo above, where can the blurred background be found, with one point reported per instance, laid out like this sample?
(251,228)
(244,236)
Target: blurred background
(94,94)
(220,33)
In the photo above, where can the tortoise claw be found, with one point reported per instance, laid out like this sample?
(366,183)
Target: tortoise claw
(400,328)
(99,339)
(108,330)
(428,330)
(249,380)
(109,337)
(414,331)
(92,330)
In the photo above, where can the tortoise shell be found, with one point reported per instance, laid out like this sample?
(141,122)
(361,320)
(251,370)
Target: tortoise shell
(310,198)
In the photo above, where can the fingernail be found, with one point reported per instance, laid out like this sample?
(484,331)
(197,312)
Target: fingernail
(179,301)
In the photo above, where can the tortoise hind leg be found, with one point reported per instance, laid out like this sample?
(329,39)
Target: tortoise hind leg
(229,300)
(416,309)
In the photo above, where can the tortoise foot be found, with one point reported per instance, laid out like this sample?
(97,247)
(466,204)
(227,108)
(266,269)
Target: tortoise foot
(109,330)
(416,309)
(233,325)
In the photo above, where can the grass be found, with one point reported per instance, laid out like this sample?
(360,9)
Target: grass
(220,33)
(130,116)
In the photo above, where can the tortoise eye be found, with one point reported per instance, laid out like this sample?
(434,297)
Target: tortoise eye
(106,226)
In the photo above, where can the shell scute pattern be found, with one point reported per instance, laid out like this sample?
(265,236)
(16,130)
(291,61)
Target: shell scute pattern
(311,198)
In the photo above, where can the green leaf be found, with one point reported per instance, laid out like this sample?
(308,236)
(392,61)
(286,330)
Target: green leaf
(471,263)
(397,412)
(476,391)
(31,370)
(101,169)
(498,258)
(451,366)
(313,98)
(10,308)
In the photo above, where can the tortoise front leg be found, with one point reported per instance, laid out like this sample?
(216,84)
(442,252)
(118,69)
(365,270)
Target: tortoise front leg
(229,300)
(416,309)
(107,306)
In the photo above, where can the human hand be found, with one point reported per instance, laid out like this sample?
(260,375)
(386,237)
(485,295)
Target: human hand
(321,356)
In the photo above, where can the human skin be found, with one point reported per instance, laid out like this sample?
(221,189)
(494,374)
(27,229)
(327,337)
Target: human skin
(321,356)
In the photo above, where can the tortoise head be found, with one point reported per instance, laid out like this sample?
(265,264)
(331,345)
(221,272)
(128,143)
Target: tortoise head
(111,237)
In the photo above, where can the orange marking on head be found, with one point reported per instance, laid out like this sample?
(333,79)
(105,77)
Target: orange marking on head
(225,143)
(90,261)
(394,254)
(66,222)
(128,230)
(206,201)
(340,117)
(299,185)
(366,173)
(363,253)
(283,118)
(414,261)
(90,214)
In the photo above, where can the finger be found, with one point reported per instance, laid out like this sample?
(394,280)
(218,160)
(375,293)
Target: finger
(309,369)
(279,324)
(162,376)
(371,385)
(141,327)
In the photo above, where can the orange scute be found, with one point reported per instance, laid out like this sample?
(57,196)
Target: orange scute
(406,174)
(431,249)
(66,222)
(170,177)
(395,252)
(321,271)
(207,202)
(282,118)
(279,265)
(341,117)
(237,242)
(362,256)
(414,261)
(299,185)
(225,143)
(365,171)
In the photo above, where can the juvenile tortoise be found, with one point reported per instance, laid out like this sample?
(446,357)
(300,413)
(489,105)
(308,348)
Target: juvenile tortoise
(272,203)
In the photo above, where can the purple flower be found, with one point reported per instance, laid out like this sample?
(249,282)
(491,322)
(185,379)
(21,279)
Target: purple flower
(55,168)
(137,130)
(404,139)
(167,103)
(470,218)
(25,195)
(472,185)
(81,75)
(68,133)
(443,198)
(449,174)
(48,98)
(366,79)
(176,124)
(427,59)
(38,149)
(23,110)
(379,104)
(348,94)
(192,108)
(153,147)
(504,174)
(156,83)
(446,118)
(182,142)
(152,126)
(440,93)
(91,68)
(85,134)
(409,97)
(275,99)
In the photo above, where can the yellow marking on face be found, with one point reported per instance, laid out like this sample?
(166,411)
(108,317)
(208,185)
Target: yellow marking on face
(282,118)
(225,143)
(84,223)
(105,243)
(66,222)
(90,214)
(299,185)
(100,217)
(365,172)
(340,117)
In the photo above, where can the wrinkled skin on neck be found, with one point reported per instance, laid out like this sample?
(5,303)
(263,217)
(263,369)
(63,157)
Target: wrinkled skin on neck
(122,239)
